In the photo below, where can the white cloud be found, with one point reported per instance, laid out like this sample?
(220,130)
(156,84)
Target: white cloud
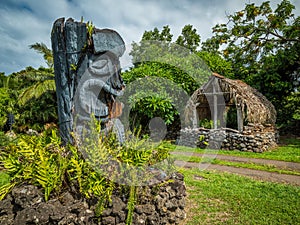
(24,22)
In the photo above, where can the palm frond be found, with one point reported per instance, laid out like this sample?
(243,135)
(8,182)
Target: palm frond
(43,49)
(36,90)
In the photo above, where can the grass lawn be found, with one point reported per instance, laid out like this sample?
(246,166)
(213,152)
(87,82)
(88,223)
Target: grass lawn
(221,198)
(289,151)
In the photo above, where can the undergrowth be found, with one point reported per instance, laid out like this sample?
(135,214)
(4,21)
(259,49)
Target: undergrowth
(95,166)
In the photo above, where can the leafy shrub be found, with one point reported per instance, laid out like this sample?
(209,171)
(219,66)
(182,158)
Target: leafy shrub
(156,90)
(206,123)
(5,105)
(38,160)
(4,178)
(42,161)
(289,114)
(4,140)
(151,106)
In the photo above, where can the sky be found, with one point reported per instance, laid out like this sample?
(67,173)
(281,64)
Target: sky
(25,22)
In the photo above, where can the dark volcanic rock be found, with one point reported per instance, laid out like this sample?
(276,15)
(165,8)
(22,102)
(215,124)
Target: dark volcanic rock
(162,204)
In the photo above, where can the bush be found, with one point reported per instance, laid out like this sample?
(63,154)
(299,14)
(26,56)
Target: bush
(42,161)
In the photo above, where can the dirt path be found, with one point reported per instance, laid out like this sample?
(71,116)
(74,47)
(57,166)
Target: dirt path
(257,174)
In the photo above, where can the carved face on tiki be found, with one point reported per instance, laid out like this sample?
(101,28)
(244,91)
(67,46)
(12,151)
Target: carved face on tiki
(99,85)
(101,65)
(106,66)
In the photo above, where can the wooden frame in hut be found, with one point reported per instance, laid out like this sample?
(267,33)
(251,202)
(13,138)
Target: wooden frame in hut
(213,99)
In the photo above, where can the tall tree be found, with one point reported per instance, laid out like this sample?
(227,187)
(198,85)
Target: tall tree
(189,38)
(178,67)
(156,35)
(216,63)
(254,33)
(263,46)
(153,43)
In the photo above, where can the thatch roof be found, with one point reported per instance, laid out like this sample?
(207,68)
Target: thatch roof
(258,109)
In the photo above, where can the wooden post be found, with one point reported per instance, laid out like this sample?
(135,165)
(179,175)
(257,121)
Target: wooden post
(222,115)
(215,105)
(239,117)
(61,79)
(68,40)
(195,120)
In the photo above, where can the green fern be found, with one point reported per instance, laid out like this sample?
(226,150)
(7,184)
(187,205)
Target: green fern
(6,188)
(37,160)
(49,172)
(131,204)
(77,170)
(41,160)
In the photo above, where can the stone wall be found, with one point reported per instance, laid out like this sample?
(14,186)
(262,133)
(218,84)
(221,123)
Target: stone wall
(160,204)
(251,139)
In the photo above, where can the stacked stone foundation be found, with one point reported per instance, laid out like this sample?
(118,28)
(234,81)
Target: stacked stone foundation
(250,140)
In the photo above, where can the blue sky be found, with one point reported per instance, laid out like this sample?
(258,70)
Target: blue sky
(24,22)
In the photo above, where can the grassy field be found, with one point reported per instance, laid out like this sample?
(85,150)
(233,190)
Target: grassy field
(288,151)
(221,198)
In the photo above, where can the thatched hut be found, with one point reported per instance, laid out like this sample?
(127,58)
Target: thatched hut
(229,103)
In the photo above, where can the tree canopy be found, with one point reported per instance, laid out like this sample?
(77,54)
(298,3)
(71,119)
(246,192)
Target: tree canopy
(30,94)
(263,46)
(179,61)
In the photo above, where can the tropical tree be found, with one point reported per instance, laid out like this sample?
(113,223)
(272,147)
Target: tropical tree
(161,43)
(45,51)
(44,77)
(217,63)
(3,79)
(177,62)
(263,46)
(189,38)
(6,105)
(156,35)
(30,94)
(153,43)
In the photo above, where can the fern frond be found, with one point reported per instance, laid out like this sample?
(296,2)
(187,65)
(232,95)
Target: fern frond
(78,170)
(6,188)
(12,165)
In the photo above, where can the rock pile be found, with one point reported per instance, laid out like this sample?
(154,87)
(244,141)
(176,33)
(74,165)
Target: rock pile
(252,139)
(162,204)
(159,204)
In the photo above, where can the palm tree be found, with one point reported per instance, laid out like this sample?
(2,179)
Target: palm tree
(47,53)
(44,76)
